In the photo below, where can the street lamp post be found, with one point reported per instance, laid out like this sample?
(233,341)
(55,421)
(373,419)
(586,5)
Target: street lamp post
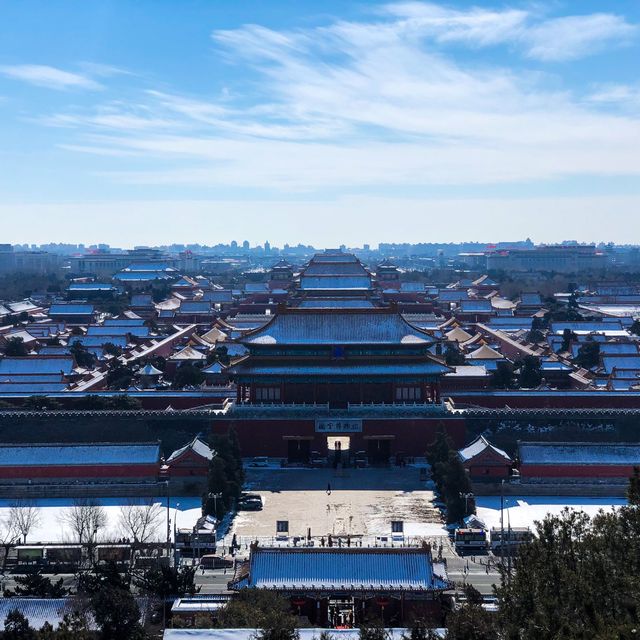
(175,535)
(168,525)
(466,497)
(215,497)
(502,523)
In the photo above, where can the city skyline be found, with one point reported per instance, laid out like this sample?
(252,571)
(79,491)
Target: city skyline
(321,123)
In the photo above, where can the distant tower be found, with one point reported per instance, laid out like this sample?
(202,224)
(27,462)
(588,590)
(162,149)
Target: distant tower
(267,247)
(245,245)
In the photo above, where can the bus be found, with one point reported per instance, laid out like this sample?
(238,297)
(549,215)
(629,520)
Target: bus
(511,541)
(195,543)
(30,555)
(52,557)
(119,554)
(63,557)
(470,540)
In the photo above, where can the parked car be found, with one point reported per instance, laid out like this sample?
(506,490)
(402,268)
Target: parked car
(317,459)
(361,459)
(250,496)
(250,502)
(259,461)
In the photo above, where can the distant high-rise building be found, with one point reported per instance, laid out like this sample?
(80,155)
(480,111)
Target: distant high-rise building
(245,245)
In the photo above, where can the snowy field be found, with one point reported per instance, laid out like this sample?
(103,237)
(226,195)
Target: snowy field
(366,511)
(524,511)
(51,527)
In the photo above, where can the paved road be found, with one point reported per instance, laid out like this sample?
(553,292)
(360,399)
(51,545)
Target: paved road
(213,580)
(473,570)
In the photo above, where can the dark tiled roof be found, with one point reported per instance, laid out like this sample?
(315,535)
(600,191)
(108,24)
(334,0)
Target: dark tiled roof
(336,303)
(71,310)
(347,369)
(344,569)
(337,327)
(196,306)
(335,269)
(334,283)
(36,365)
(564,453)
(136,330)
(78,454)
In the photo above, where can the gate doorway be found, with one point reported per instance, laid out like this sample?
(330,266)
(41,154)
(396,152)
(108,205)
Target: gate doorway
(341,613)
(338,450)
(298,451)
(379,451)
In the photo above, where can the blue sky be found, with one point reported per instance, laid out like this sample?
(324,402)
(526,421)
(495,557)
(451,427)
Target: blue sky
(323,122)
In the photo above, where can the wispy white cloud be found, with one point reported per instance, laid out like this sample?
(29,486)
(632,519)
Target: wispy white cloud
(99,69)
(573,37)
(621,95)
(49,77)
(113,117)
(546,39)
(383,102)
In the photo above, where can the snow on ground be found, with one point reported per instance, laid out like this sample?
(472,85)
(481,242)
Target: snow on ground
(51,528)
(424,529)
(367,512)
(524,511)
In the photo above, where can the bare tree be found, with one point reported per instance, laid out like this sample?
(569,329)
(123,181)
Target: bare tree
(85,519)
(140,520)
(8,537)
(25,516)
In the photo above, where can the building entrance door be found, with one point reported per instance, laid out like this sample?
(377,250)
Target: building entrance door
(298,451)
(379,451)
(341,612)
(338,450)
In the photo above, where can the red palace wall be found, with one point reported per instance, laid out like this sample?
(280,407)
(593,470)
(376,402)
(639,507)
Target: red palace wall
(188,465)
(188,472)
(141,471)
(594,471)
(269,437)
(488,471)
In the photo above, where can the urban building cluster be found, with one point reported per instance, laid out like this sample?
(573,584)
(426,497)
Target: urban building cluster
(117,381)
(329,345)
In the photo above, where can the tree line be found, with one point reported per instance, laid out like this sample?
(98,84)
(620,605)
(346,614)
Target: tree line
(450,478)
(225,477)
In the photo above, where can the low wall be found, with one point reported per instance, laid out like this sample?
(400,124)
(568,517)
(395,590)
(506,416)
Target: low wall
(614,489)
(101,490)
